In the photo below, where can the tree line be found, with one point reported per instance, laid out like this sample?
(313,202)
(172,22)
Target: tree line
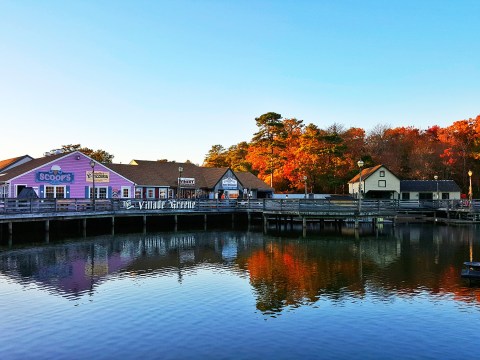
(286,153)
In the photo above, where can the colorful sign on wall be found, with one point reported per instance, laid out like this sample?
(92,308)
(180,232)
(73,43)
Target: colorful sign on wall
(100,176)
(54,176)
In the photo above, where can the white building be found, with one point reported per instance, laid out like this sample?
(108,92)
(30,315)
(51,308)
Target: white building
(376,183)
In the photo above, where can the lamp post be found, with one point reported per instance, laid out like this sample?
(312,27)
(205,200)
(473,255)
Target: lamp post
(92,165)
(360,164)
(470,191)
(436,180)
(179,190)
(305,181)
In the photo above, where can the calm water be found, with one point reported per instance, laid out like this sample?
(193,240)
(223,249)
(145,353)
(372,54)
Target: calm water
(394,294)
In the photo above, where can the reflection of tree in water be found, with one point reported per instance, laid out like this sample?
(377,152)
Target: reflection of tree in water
(291,274)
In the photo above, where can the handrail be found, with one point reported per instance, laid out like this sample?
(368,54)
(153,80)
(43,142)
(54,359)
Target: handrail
(300,206)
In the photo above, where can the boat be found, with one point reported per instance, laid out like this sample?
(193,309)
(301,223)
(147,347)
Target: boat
(471,270)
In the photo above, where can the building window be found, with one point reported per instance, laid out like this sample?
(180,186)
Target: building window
(100,192)
(55,192)
(382,173)
(150,193)
(382,183)
(138,193)
(162,193)
(3,191)
(445,196)
(125,192)
(405,196)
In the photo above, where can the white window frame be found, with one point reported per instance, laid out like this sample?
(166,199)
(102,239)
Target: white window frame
(55,187)
(97,192)
(4,190)
(163,193)
(147,195)
(382,183)
(122,189)
(16,188)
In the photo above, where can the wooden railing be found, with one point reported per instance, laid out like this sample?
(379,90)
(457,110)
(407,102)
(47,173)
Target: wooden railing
(298,206)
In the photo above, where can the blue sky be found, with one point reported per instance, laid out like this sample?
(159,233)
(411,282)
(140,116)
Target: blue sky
(169,79)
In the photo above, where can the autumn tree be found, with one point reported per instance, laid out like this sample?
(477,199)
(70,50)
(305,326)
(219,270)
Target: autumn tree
(236,157)
(216,157)
(99,155)
(266,144)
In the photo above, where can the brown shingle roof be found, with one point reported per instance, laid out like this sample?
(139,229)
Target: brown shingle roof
(8,162)
(365,174)
(250,181)
(162,173)
(28,166)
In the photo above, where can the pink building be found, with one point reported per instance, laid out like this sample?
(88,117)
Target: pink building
(63,176)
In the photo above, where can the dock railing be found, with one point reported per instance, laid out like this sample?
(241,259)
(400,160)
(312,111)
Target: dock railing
(287,206)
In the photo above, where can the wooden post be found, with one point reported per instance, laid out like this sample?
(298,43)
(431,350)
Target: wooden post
(84,227)
(47,226)
(233,221)
(304,225)
(113,225)
(10,229)
(205,222)
(356,223)
(265,224)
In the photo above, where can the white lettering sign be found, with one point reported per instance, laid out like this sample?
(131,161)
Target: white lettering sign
(229,183)
(187,181)
(158,205)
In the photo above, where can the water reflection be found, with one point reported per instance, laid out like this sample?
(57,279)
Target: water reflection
(284,272)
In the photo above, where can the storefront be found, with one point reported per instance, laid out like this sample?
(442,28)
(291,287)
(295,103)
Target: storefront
(63,176)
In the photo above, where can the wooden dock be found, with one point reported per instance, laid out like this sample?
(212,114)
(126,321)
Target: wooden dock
(16,211)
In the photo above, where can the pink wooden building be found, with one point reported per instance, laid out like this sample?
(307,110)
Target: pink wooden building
(65,175)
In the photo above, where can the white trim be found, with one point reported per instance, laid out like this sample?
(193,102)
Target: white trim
(150,189)
(129,189)
(62,157)
(55,187)
(97,191)
(16,188)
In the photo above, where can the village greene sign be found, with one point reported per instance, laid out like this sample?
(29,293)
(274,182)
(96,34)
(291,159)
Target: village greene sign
(158,205)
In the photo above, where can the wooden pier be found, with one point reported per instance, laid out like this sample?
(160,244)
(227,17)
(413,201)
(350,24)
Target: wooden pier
(17,211)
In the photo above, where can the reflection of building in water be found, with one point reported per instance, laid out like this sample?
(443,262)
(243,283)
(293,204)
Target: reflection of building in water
(282,272)
(76,268)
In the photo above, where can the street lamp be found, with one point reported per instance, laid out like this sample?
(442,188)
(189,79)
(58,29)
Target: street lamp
(360,164)
(305,180)
(470,191)
(179,190)
(92,165)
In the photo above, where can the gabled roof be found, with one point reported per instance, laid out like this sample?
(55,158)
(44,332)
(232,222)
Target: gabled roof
(9,163)
(163,173)
(429,186)
(13,172)
(10,174)
(250,181)
(213,175)
(365,174)
(142,178)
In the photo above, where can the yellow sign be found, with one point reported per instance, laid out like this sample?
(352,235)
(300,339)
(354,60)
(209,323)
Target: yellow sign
(100,176)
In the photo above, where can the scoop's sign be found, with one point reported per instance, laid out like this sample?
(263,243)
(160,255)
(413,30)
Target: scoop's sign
(158,204)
